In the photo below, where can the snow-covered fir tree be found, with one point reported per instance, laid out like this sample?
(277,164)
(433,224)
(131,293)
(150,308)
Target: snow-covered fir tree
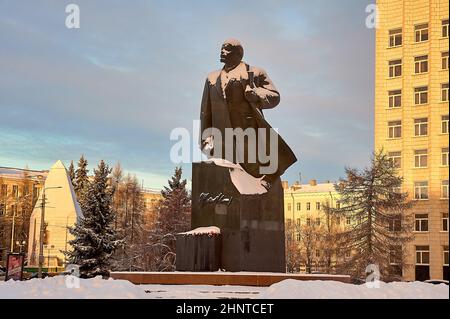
(381,222)
(95,239)
(174,216)
(81,179)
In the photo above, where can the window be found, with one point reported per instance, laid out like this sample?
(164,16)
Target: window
(444,189)
(13,210)
(289,207)
(444,124)
(421,222)
(318,205)
(289,223)
(445,28)
(445,255)
(2,209)
(421,190)
(347,254)
(444,92)
(445,222)
(421,64)
(422,255)
(338,205)
(395,38)
(421,32)
(444,56)
(298,236)
(395,68)
(444,156)
(420,158)
(4,190)
(348,221)
(395,129)
(395,224)
(298,222)
(317,221)
(396,159)
(15,191)
(299,206)
(421,127)
(395,98)
(395,255)
(308,206)
(421,95)
(308,221)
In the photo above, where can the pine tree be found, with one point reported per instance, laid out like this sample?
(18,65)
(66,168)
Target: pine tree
(380,219)
(72,173)
(81,179)
(174,212)
(95,239)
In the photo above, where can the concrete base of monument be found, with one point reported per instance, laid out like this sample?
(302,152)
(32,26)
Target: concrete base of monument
(251,226)
(220,278)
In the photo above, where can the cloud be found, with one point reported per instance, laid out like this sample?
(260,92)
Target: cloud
(116,87)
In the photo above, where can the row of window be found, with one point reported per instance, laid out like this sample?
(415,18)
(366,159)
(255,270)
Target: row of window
(421,96)
(421,34)
(14,192)
(420,158)
(12,211)
(421,190)
(422,222)
(420,127)
(421,65)
(316,222)
(308,206)
(423,255)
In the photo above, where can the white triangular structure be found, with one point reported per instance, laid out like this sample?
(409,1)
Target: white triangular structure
(61,212)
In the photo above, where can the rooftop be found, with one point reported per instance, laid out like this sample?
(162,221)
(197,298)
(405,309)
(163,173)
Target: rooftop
(18,173)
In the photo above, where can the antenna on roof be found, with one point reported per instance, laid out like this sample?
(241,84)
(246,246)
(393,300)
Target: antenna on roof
(300,177)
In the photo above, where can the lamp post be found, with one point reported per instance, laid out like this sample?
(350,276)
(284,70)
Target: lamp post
(41,233)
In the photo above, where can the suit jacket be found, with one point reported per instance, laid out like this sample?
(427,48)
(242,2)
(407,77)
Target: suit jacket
(221,109)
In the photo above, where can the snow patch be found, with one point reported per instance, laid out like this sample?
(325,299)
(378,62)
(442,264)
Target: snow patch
(295,289)
(245,183)
(210,231)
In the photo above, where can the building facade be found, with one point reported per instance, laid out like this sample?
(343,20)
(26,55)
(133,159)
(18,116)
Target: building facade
(19,191)
(303,206)
(411,120)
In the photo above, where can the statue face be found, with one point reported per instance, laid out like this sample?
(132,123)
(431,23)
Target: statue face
(229,54)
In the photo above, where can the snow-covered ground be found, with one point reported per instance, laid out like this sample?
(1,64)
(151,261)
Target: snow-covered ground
(65,287)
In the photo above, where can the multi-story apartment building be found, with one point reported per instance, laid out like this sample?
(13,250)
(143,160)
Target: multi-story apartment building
(19,190)
(411,120)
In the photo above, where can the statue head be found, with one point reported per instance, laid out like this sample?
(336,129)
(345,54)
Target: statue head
(231,52)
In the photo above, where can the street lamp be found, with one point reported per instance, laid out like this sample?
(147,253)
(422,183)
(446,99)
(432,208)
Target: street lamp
(20,244)
(41,234)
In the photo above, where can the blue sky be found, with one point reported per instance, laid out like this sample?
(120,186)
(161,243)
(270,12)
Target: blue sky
(115,88)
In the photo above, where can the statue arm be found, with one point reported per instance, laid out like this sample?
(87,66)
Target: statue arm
(265,89)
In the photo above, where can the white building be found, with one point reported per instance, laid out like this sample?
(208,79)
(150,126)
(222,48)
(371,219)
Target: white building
(61,212)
